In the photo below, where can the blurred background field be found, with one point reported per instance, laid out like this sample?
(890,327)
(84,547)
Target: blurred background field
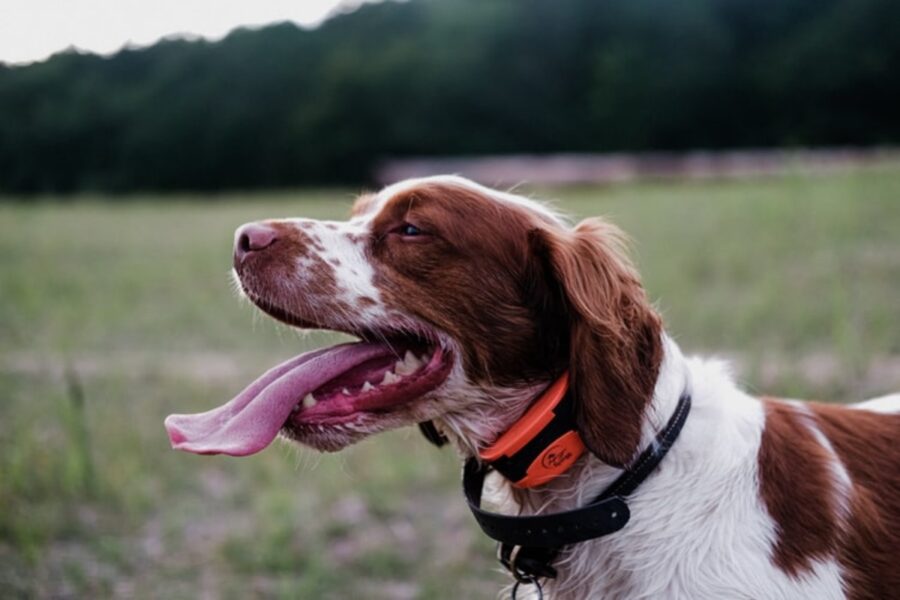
(751,150)
(794,278)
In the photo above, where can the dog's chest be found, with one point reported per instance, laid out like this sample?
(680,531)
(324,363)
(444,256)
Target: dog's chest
(703,536)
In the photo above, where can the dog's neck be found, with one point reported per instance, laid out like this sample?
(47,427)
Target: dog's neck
(589,475)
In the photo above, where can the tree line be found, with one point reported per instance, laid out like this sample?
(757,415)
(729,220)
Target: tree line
(285,106)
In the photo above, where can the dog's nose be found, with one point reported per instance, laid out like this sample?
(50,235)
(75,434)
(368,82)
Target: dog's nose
(253,237)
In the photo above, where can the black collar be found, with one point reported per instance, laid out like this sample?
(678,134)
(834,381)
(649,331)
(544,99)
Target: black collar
(528,545)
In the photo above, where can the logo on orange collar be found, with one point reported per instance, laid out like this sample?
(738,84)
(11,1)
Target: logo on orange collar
(558,454)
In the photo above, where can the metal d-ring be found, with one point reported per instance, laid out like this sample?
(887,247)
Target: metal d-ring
(521,576)
(532,581)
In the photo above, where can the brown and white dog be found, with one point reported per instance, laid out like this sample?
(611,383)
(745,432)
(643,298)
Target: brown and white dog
(469,302)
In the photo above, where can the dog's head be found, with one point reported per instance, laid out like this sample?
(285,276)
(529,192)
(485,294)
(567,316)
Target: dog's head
(466,301)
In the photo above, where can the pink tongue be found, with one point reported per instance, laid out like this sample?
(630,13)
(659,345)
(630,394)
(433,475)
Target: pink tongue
(250,421)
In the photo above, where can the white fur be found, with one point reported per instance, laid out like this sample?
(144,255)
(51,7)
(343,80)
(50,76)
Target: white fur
(343,248)
(540,208)
(884,404)
(842,483)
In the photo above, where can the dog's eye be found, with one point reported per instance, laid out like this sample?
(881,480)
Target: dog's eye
(409,233)
(409,230)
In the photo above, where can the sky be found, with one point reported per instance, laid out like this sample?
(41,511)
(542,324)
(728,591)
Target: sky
(32,30)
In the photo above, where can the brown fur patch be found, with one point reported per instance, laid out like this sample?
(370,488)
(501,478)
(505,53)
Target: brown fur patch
(473,276)
(797,489)
(868,444)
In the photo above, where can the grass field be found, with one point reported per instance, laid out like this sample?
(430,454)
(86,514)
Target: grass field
(113,315)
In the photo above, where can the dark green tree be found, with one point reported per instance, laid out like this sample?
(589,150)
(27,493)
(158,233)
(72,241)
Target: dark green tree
(285,106)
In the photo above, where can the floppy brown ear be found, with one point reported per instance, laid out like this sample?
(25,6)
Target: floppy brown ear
(615,344)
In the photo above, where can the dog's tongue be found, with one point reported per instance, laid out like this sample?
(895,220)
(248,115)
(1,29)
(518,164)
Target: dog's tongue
(252,419)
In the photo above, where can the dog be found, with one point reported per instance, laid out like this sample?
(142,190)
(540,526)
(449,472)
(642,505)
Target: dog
(469,303)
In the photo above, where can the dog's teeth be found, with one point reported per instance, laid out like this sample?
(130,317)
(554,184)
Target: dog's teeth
(409,365)
(412,359)
(404,368)
(367,387)
(389,378)
(308,401)
(346,392)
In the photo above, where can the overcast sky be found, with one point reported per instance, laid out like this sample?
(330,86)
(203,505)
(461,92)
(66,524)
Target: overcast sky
(32,30)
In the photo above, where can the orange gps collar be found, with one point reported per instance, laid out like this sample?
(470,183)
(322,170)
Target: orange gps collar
(543,444)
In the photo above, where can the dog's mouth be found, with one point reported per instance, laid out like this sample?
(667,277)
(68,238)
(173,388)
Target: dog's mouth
(329,387)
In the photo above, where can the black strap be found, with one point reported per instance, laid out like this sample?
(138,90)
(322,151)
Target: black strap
(530,544)
(601,517)
(432,434)
(647,462)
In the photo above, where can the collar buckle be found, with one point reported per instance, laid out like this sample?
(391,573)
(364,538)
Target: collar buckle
(527,565)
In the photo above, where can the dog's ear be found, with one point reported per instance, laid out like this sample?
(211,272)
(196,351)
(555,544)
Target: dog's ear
(615,335)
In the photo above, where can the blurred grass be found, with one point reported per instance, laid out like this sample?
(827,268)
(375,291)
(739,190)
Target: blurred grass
(797,278)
